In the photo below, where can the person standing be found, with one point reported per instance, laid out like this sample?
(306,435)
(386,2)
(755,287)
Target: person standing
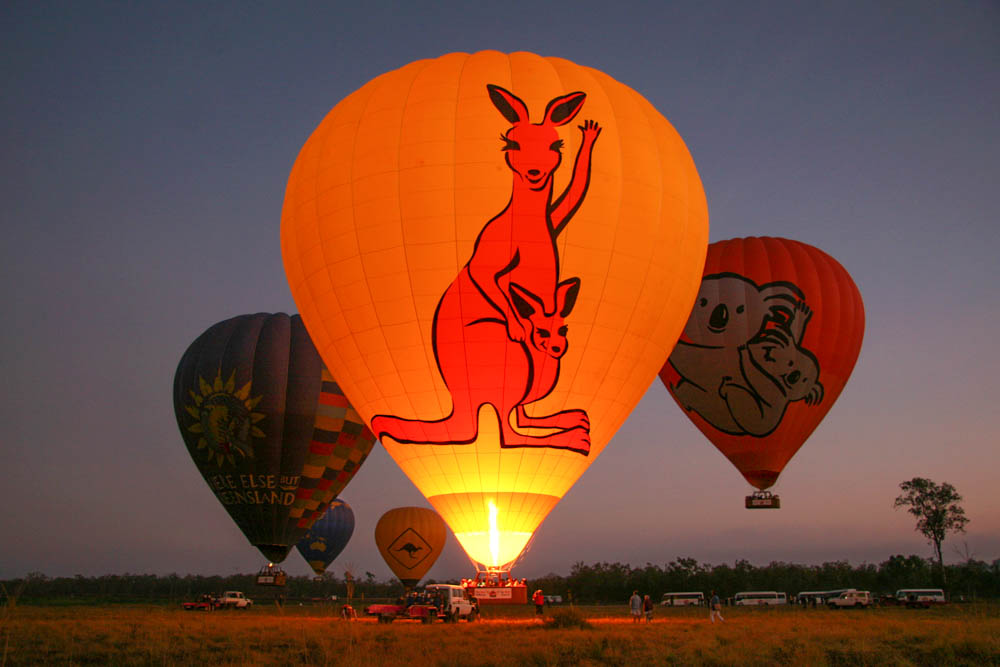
(539,601)
(715,607)
(647,608)
(635,606)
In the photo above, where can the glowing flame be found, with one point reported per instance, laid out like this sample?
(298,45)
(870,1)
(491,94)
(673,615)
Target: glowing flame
(490,531)
(494,536)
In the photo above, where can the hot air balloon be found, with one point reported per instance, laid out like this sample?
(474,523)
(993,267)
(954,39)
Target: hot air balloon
(327,537)
(770,343)
(410,540)
(493,313)
(267,426)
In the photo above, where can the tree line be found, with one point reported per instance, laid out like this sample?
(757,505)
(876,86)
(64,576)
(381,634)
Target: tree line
(586,583)
(614,582)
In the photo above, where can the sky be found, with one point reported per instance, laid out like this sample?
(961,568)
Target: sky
(146,148)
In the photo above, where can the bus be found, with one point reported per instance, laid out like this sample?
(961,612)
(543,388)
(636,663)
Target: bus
(758,598)
(811,598)
(688,599)
(920,597)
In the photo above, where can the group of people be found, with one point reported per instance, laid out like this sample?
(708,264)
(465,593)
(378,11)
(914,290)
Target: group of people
(643,607)
(493,580)
(640,606)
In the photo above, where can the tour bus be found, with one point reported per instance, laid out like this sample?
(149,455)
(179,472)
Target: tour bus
(683,599)
(811,598)
(757,598)
(923,597)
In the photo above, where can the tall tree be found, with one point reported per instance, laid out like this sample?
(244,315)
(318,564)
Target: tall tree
(937,509)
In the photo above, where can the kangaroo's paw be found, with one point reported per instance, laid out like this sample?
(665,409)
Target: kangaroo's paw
(563,420)
(574,439)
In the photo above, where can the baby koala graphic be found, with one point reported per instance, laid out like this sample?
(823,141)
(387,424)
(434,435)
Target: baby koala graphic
(741,360)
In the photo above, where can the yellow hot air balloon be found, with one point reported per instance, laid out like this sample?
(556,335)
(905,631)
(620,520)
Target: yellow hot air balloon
(410,540)
(493,313)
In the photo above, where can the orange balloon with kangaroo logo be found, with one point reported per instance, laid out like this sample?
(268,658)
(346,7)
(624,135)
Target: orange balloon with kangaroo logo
(494,254)
(771,341)
(410,540)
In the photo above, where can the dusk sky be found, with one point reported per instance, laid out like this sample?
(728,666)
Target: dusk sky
(146,148)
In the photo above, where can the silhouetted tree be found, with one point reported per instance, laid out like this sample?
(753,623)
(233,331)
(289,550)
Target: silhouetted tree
(937,510)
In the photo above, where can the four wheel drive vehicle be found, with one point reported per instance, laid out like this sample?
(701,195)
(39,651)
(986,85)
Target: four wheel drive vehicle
(234,600)
(206,603)
(445,601)
(850,598)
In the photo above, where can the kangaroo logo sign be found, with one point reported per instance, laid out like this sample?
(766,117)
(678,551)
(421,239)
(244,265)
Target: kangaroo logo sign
(492,313)
(508,298)
(409,549)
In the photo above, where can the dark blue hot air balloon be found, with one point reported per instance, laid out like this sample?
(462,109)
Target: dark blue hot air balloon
(327,537)
(268,427)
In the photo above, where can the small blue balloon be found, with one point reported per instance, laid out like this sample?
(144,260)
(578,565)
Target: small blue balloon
(327,537)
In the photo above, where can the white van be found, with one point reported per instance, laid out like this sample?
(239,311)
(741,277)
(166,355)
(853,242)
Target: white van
(851,598)
(683,599)
(759,598)
(920,597)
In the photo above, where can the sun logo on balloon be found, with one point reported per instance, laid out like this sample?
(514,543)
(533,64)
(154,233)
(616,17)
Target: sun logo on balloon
(225,420)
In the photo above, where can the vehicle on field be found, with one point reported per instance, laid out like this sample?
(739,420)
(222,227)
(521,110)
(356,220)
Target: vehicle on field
(553,599)
(759,598)
(811,598)
(920,597)
(684,599)
(852,598)
(233,600)
(437,601)
(205,603)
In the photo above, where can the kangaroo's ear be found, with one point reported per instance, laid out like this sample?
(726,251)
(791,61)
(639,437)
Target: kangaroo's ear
(566,293)
(521,299)
(561,110)
(512,108)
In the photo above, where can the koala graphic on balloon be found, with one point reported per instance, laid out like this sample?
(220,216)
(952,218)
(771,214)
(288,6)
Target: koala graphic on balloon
(741,360)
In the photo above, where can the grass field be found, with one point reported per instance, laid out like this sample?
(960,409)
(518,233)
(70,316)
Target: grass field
(266,635)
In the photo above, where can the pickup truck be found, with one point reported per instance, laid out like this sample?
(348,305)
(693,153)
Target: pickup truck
(445,601)
(234,600)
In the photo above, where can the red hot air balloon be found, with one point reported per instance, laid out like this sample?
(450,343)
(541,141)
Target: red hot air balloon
(772,339)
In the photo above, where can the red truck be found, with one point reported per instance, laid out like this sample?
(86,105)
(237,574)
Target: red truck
(437,601)
(206,603)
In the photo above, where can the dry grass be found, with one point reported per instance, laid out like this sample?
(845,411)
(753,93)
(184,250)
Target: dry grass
(137,635)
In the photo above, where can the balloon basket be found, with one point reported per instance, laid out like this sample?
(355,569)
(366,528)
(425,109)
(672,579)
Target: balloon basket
(763,500)
(271,575)
(496,586)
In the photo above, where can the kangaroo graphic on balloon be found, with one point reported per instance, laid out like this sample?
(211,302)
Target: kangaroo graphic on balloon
(499,330)
(741,360)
